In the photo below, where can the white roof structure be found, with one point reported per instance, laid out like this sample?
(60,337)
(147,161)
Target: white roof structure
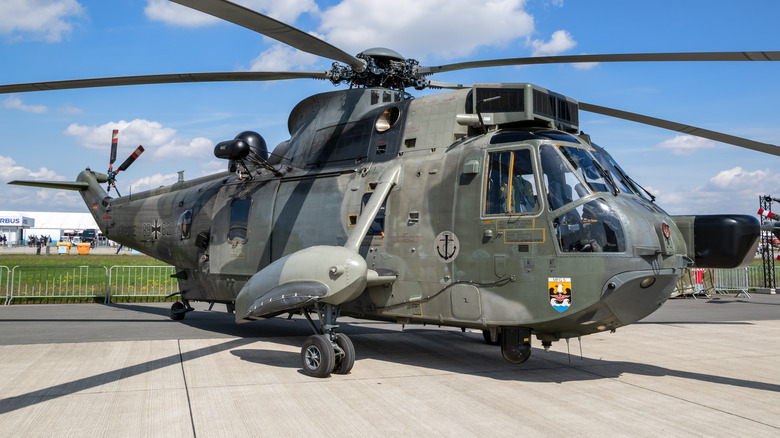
(45,220)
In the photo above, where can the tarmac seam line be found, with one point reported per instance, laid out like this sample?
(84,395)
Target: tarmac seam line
(186,388)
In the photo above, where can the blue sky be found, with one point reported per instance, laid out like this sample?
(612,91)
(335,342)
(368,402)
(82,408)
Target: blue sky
(54,135)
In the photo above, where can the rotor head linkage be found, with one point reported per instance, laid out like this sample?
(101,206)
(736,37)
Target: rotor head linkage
(384,68)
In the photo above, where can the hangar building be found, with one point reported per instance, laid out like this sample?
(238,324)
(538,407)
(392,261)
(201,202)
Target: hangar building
(17,226)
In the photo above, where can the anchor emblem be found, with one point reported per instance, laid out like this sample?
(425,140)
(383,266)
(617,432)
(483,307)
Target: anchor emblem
(447,246)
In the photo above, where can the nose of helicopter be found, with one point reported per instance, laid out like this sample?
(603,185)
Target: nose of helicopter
(633,295)
(628,297)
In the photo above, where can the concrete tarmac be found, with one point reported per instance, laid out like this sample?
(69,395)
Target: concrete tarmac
(694,368)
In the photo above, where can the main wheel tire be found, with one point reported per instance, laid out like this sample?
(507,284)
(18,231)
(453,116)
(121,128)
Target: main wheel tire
(344,364)
(178,310)
(317,356)
(517,354)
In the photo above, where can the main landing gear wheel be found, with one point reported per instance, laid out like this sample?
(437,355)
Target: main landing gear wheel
(326,351)
(318,356)
(346,360)
(178,310)
(515,344)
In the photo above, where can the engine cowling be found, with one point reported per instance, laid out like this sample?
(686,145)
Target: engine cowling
(720,241)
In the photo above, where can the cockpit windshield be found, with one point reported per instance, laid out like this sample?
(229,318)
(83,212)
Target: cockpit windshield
(622,179)
(585,165)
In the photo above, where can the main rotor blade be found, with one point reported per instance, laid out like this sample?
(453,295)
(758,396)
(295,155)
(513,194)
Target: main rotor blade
(685,129)
(272,28)
(619,57)
(163,79)
(447,85)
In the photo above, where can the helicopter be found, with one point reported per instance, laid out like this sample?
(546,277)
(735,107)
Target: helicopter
(482,207)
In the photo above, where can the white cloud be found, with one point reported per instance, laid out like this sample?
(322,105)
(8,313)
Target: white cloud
(734,190)
(178,15)
(19,198)
(10,171)
(686,144)
(213,166)
(13,102)
(69,109)
(30,198)
(199,147)
(282,58)
(740,180)
(47,20)
(442,28)
(585,65)
(160,141)
(287,11)
(151,182)
(559,42)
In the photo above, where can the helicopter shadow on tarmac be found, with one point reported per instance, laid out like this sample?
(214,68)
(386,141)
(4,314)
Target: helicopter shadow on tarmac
(444,350)
(426,351)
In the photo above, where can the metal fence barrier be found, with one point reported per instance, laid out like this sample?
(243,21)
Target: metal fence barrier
(57,282)
(725,280)
(5,277)
(141,281)
(756,276)
(62,282)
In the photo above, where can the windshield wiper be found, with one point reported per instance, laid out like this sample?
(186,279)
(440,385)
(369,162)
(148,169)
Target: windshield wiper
(607,176)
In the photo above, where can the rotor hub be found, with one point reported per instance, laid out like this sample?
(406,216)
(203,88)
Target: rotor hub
(384,68)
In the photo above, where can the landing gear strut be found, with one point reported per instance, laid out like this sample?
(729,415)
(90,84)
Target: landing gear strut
(515,344)
(326,351)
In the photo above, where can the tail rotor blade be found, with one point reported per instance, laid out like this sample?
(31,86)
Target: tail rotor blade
(114,141)
(138,151)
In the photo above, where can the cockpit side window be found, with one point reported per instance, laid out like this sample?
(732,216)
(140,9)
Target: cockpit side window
(591,227)
(563,186)
(511,187)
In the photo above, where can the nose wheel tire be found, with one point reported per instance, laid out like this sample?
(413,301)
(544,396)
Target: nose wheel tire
(318,358)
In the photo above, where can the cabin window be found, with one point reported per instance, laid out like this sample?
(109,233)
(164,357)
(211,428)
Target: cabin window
(378,225)
(185,224)
(591,227)
(510,187)
(239,219)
